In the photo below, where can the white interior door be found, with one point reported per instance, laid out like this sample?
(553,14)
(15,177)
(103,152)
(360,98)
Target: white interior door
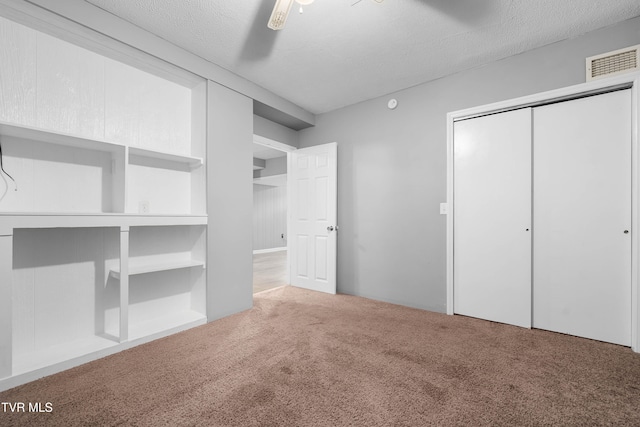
(313,237)
(582,214)
(492,217)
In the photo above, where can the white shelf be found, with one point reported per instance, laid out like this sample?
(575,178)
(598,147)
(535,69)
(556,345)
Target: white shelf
(184,319)
(69,140)
(58,138)
(192,162)
(12,220)
(59,353)
(82,189)
(152,268)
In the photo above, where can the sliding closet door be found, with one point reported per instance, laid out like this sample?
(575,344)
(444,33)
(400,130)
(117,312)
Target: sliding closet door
(492,217)
(582,217)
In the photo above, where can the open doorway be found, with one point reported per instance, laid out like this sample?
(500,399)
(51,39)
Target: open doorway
(270,216)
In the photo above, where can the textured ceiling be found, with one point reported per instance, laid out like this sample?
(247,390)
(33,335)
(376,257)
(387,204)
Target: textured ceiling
(339,52)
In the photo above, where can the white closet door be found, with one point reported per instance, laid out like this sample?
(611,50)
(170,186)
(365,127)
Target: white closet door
(492,217)
(582,207)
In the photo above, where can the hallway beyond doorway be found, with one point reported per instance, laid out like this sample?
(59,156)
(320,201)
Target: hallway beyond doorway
(269,270)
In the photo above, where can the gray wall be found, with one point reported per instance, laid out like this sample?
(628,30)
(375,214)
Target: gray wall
(269,217)
(392,165)
(277,166)
(229,202)
(275,131)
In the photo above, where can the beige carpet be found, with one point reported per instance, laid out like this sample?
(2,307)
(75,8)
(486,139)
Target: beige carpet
(301,358)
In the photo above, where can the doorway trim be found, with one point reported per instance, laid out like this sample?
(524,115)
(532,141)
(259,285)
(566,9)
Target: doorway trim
(628,81)
(288,149)
(271,143)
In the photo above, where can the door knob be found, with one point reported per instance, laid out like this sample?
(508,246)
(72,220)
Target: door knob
(330,228)
(626,231)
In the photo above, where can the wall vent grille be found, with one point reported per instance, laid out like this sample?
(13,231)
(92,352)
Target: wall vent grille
(613,63)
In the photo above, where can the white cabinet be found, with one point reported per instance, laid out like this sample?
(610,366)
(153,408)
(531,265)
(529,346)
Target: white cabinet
(166,278)
(102,236)
(59,294)
(69,298)
(57,172)
(541,229)
(80,280)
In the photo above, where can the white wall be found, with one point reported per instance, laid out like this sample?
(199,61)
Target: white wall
(269,217)
(229,202)
(392,165)
(51,84)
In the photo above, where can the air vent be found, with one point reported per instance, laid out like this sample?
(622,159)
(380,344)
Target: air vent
(613,63)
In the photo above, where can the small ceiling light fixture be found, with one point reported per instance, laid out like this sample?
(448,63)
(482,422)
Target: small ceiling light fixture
(377,1)
(281,12)
(303,3)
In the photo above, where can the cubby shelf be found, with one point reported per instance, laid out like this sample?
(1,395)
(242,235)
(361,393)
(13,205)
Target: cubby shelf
(184,320)
(41,358)
(68,140)
(191,162)
(137,269)
(58,138)
(100,190)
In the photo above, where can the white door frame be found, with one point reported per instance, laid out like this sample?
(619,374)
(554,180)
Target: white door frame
(632,81)
(266,142)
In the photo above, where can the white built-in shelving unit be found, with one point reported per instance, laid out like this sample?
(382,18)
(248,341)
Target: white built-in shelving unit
(102,236)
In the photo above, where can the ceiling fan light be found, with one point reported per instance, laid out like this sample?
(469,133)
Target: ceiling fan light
(279,15)
(304,2)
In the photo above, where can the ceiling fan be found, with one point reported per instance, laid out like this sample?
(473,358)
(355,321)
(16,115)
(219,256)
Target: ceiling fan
(281,11)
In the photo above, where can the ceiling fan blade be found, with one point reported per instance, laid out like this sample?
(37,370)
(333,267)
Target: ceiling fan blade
(280,13)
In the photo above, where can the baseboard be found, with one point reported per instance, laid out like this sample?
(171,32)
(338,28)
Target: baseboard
(266,251)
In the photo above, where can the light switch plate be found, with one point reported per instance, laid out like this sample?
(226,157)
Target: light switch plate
(444,209)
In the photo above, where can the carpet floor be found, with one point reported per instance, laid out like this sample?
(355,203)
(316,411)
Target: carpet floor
(301,358)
